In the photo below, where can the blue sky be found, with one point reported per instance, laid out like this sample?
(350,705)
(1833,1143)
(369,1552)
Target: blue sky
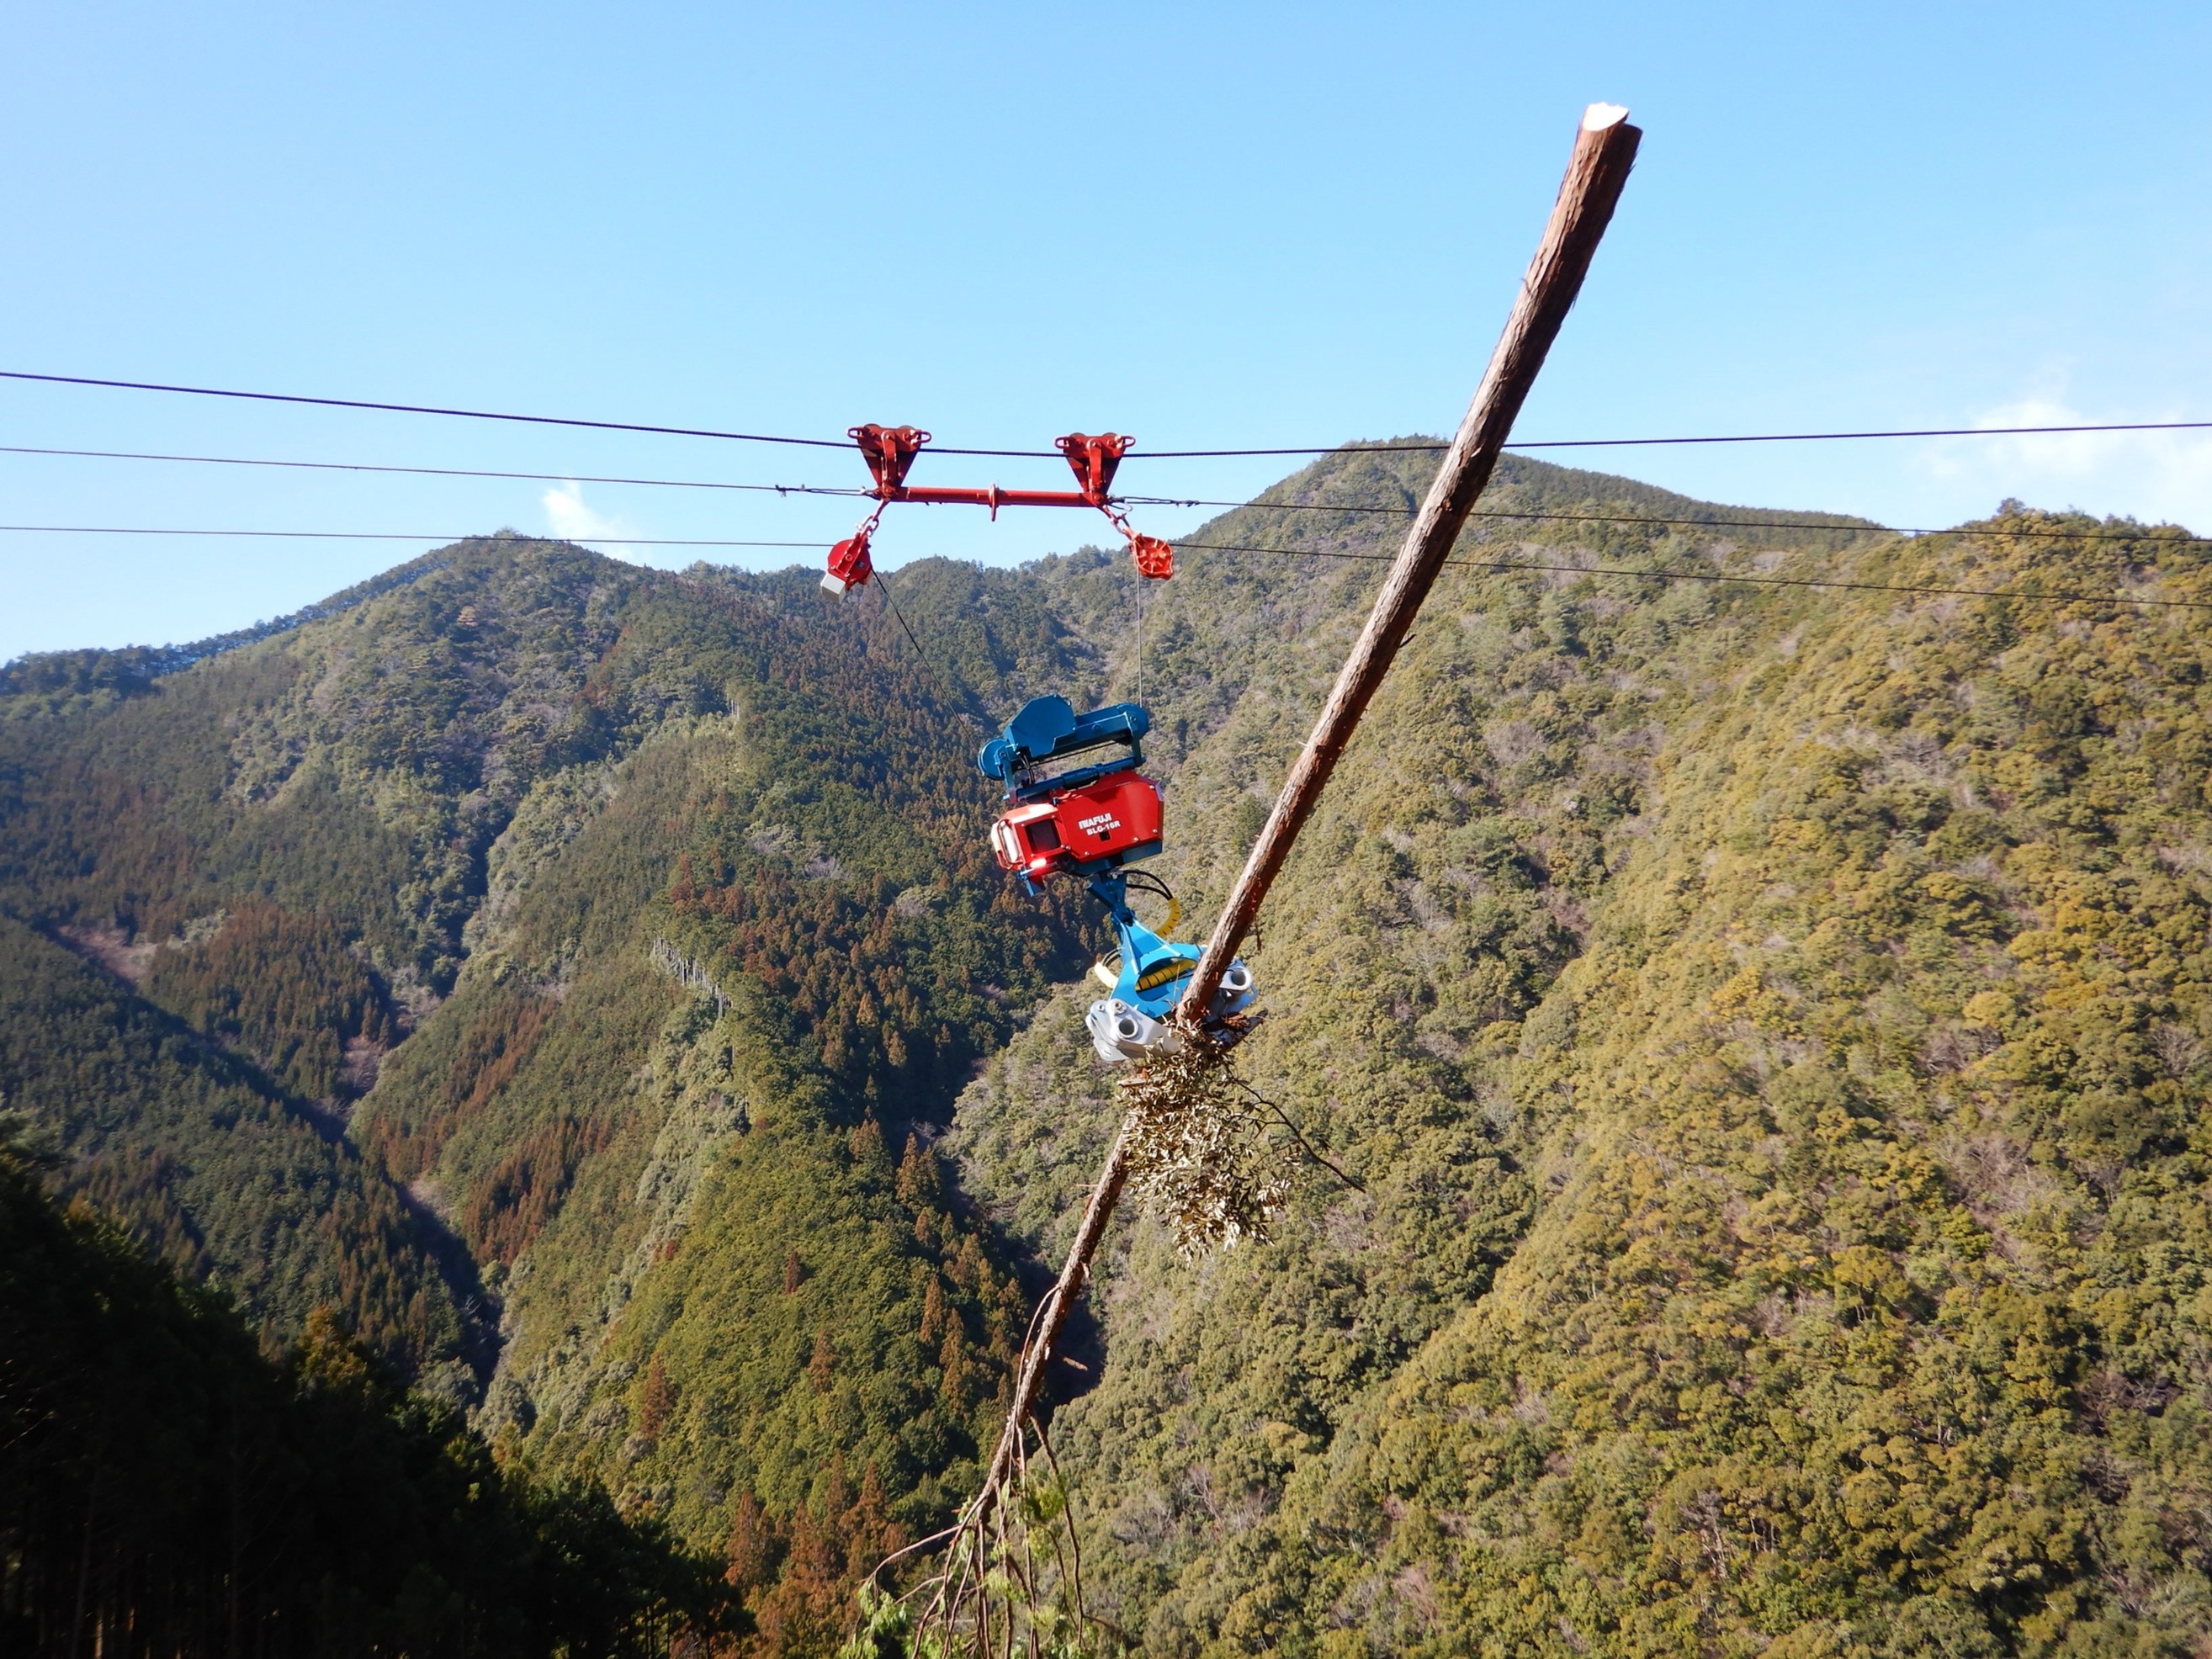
(1204,225)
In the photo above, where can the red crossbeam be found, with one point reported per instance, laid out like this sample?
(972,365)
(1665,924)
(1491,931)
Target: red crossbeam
(992,497)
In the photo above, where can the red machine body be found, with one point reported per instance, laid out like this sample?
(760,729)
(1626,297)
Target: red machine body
(1081,830)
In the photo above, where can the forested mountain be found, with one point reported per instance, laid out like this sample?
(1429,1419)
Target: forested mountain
(1766,1026)
(166,1488)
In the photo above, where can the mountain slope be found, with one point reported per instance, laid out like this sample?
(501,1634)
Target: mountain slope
(224,1173)
(165,1487)
(1769,1027)
(685,928)
(1711,989)
(278,849)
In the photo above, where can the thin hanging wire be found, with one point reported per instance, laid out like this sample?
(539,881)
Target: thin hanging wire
(946,681)
(1140,631)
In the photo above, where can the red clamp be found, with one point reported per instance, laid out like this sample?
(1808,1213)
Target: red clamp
(889,452)
(1093,461)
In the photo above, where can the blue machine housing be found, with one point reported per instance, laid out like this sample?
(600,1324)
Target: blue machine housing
(1046,729)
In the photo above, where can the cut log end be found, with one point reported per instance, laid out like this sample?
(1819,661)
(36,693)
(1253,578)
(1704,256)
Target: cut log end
(1598,117)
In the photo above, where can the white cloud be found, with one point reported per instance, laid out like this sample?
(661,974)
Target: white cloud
(569,518)
(2157,476)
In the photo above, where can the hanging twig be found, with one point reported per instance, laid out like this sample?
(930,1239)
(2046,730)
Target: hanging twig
(1304,1146)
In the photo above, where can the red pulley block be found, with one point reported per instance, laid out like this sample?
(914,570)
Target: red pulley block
(849,564)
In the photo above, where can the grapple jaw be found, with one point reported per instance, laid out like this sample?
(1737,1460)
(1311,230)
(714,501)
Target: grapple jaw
(1145,982)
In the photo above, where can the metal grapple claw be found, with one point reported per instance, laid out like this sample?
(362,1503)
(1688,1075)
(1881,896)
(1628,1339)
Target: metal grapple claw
(1120,1032)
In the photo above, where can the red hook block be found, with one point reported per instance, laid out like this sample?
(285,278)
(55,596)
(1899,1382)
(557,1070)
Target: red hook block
(1155,558)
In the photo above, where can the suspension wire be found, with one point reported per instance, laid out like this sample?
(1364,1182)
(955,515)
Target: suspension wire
(1423,446)
(1140,578)
(480,414)
(422,409)
(948,682)
(1860,526)
(882,580)
(384,536)
(2155,539)
(2030,595)
(1431,448)
(432,471)
(1864,526)
(2151,536)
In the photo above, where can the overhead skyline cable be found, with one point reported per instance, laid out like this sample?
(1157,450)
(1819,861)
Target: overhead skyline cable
(1823,436)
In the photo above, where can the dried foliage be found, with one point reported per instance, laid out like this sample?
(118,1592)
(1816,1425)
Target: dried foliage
(1199,1155)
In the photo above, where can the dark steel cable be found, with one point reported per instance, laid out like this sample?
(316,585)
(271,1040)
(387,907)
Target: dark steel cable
(380,536)
(1721,438)
(883,581)
(433,472)
(1155,454)
(480,414)
(1861,527)
(2144,535)
(1845,437)
(946,681)
(424,408)
(1124,501)
(2029,595)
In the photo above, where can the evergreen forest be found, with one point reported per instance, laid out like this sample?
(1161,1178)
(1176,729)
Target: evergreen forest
(533,1124)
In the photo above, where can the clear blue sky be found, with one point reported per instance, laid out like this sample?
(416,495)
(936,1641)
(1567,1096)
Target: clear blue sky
(1204,225)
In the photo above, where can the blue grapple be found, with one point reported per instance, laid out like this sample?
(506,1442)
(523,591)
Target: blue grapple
(1076,806)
